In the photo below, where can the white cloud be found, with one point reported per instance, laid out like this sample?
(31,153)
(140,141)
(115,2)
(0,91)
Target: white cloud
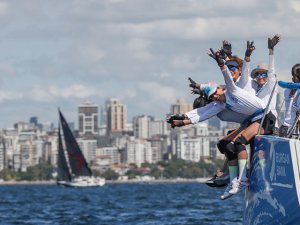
(138,48)
(4,7)
(7,69)
(9,96)
(60,52)
(295,5)
(51,93)
(163,75)
(185,62)
(74,91)
(157,91)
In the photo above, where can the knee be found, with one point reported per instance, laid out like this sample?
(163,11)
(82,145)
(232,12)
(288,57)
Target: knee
(231,151)
(222,145)
(240,144)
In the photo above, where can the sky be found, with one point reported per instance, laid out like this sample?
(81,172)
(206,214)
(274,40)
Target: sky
(62,53)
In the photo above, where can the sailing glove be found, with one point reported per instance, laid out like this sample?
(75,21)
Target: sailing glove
(274,41)
(226,49)
(193,83)
(216,56)
(250,48)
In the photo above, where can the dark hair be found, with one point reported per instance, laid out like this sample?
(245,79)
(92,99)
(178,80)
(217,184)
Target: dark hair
(296,70)
(201,101)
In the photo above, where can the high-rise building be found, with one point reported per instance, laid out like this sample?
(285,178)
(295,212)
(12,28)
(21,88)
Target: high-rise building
(148,126)
(116,115)
(33,121)
(112,152)
(88,148)
(194,149)
(141,126)
(103,115)
(2,153)
(180,107)
(88,119)
(138,151)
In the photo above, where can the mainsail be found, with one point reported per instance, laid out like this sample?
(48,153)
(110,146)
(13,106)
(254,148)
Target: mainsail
(63,169)
(77,161)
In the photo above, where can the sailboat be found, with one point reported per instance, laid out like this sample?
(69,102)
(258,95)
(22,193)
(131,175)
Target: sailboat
(80,175)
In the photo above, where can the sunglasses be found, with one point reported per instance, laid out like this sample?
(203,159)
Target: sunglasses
(232,68)
(261,75)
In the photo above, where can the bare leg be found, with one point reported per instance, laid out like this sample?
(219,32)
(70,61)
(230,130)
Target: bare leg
(247,134)
(224,168)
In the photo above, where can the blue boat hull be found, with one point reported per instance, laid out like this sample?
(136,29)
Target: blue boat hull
(273,196)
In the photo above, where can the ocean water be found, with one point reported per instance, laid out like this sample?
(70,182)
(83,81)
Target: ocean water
(148,204)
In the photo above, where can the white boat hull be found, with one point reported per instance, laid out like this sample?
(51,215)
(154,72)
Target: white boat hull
(83,182)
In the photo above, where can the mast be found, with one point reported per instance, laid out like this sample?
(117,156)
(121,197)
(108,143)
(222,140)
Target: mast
(77,161)
(63,169)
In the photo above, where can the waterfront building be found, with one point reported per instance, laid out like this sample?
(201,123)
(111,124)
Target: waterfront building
(20,126)
(138,151)
(193,149)
(2,152)
(112,152)
(26,154)
(33,122)
(141,126)
(180,107)
(214,136)
(116,116)
(88,148)
(159,146)
(50,153)
(148,126)
(88,120)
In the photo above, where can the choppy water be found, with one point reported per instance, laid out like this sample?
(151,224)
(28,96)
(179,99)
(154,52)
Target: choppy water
(148,204)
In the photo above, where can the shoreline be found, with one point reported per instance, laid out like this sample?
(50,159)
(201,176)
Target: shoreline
(158,181)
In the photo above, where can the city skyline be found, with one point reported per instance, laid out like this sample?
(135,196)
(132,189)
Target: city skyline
(58,54)
(36,120)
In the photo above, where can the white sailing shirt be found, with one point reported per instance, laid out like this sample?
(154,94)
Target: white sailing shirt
(237,100)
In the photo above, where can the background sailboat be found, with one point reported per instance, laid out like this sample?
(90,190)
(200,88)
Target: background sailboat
(63,173)
(81,173)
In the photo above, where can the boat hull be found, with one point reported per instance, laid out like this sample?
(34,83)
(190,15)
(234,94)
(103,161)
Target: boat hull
(83,182)
(273,196)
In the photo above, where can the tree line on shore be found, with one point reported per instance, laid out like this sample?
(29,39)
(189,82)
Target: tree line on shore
(170,169)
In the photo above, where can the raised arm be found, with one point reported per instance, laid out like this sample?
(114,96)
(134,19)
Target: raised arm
(272,42)
(230,86)
(245,79)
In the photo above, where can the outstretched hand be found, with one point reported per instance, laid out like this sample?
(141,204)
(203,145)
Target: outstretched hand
(176,120)
(226,48)
(274,41)
(193,84)
(216,56)
(250,48)
(195,91)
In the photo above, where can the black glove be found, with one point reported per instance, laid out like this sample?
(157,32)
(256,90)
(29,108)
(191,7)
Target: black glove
(226,49)
(216,56)
(196,91)
(274,41)
(193,83)
(176,117)
(178,123)
(250,48)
